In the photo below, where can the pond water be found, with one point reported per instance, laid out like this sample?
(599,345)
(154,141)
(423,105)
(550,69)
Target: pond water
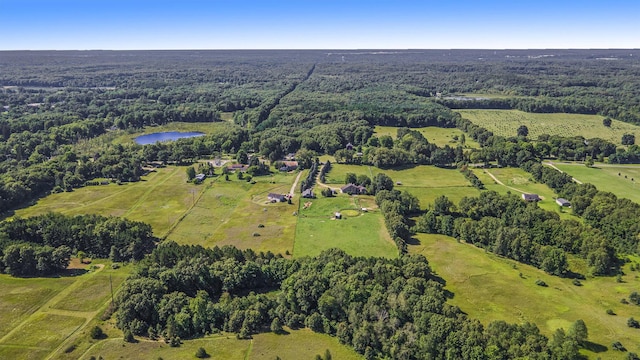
(165,136)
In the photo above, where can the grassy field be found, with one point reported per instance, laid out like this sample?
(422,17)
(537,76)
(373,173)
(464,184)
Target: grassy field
(41,314)
(435,135)
(506,123)
(358,233)
(297,344)
(605,177)
(489,287)
(517,181)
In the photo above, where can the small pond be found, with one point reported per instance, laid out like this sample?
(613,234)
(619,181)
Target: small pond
(165,136)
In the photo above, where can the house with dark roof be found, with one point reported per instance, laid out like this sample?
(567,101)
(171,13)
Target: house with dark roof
(273,197)
(353,189)
(530,197)
(563,202)
(288,166)
(349,146)
(308,194)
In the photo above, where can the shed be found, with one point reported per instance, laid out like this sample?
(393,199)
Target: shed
(563,202)
(276,197)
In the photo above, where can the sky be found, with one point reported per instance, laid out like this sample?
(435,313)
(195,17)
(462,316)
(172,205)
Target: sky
(318,24)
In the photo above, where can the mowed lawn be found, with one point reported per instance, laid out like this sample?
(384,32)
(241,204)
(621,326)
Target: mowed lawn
(296,344)
(605,177)
(506,123)
(358,233)
(435,135)
(160,199)
(489,288)
(518,181)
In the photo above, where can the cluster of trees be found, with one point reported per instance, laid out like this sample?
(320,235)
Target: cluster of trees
(310,180)
(392,308)
(97,236)
(32,260)
(473,179)
(508,226)
(396,207)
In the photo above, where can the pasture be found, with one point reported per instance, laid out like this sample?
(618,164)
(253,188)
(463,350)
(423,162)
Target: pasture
(295,344)
(605,177)
(435,135)
(506,123)
(41,314)
(489,287)
(358,233)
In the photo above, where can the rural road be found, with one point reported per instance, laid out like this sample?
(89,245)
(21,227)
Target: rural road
(295,184)
(550,164)
(503,184)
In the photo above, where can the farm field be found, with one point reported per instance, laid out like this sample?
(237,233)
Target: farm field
(506,123)
(358,233)
(40,314)
(605,177)
(489,287)
(518,181)
(297,344)
(435,135)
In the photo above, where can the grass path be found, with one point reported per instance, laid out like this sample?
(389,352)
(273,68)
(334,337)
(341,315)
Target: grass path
(503,184)
(550,164)
(150,190)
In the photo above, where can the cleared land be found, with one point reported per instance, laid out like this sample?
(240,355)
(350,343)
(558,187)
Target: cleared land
(518,181)
(358,233)
(41,314)
(435,135)
(489,287)
(297,344)
(605,177)
(506,123)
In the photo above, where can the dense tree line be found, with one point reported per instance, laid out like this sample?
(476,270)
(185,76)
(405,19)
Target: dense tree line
(391,308)
(508,226)
(53,235)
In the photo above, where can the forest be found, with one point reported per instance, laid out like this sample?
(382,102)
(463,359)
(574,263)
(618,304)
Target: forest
(57,109)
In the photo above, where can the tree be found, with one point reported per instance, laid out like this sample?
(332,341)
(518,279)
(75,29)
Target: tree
(382,182)
(523,131)
(128,336)
(606,122)
(242,157)
(350,178)
(628,139)
(276,326)
(633,323)
(578,331)
(191,173)
(201,353)
(97,333)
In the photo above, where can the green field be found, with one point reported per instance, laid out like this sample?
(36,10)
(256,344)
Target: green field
(605,177)
(518,181)
(358,233)
(41,314)
(297,344)
(506,123)
(435,135)
(489,287)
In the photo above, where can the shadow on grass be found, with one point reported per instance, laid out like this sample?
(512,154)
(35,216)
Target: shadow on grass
(594,347)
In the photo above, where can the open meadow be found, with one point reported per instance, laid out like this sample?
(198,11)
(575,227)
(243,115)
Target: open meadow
(506,123)
(489,287)
(44,316)
(435,135)
(605,177)
(294,344)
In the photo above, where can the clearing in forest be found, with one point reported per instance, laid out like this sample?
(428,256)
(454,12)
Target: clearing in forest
(435,135)
(506,123)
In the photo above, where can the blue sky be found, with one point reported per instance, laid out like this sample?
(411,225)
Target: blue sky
(320,24)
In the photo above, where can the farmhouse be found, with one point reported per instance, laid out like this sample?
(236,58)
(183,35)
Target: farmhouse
(288,166)
(563,202)
(238,167)
(276,197)
(352,189)
(349,146)
(530,197)
(308,194)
